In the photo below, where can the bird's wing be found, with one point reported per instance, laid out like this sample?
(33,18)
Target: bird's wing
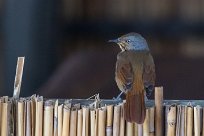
(149,74)
(124,74)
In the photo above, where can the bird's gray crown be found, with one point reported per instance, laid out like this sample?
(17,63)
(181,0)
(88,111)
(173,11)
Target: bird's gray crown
(132,41)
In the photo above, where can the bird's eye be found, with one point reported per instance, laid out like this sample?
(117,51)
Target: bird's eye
(127,41)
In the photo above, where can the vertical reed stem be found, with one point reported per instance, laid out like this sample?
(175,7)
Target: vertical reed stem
(159,111)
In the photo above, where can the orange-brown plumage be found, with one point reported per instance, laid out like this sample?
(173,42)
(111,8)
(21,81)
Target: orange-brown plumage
(136,68)
(135,74)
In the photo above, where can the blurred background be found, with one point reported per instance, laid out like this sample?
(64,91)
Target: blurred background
(66,49)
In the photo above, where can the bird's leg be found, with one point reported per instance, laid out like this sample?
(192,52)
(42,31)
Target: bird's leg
(146,98)
(118,97)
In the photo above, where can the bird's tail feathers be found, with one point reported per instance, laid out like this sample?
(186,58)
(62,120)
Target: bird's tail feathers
(134,107)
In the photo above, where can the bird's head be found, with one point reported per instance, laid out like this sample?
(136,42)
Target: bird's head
(131,41)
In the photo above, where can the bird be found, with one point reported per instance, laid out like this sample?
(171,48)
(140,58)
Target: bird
(134,74)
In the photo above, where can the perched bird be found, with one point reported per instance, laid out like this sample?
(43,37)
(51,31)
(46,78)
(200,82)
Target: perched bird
(134,75)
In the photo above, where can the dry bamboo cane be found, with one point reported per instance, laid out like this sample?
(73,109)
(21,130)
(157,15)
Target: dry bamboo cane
(39,116)
(79,123)
(16,116)
(182,132)
(33,112)
(146,124)
(73,122)
(6,117)
(185,120)
(93,119)
(109,123)
(129,129)
(48,118)
(122,120)
(85,123)
(66,121)
(159,111)
(4,121)
(60,119)
(151,121)
(55,133)
(10,118)
(171,120)
(102,122)
(197,118)
(140,129)
(116,120)
(166,108)
(189,121)
(28,118)
(20,118)
(178,120)
(24,118)
(180,125)
(135,129)
(18,77)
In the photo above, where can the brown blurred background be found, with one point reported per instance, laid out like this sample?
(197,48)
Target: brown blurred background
(66,49)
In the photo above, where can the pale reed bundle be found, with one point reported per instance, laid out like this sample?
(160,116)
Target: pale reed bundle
(36,116)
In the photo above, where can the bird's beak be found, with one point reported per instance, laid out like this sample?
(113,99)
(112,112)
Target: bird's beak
(115,40)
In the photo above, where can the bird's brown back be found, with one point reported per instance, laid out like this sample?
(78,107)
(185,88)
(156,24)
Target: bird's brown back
(135,68)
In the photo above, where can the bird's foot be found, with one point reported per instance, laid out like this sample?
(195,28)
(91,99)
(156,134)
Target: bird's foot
(118,97)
